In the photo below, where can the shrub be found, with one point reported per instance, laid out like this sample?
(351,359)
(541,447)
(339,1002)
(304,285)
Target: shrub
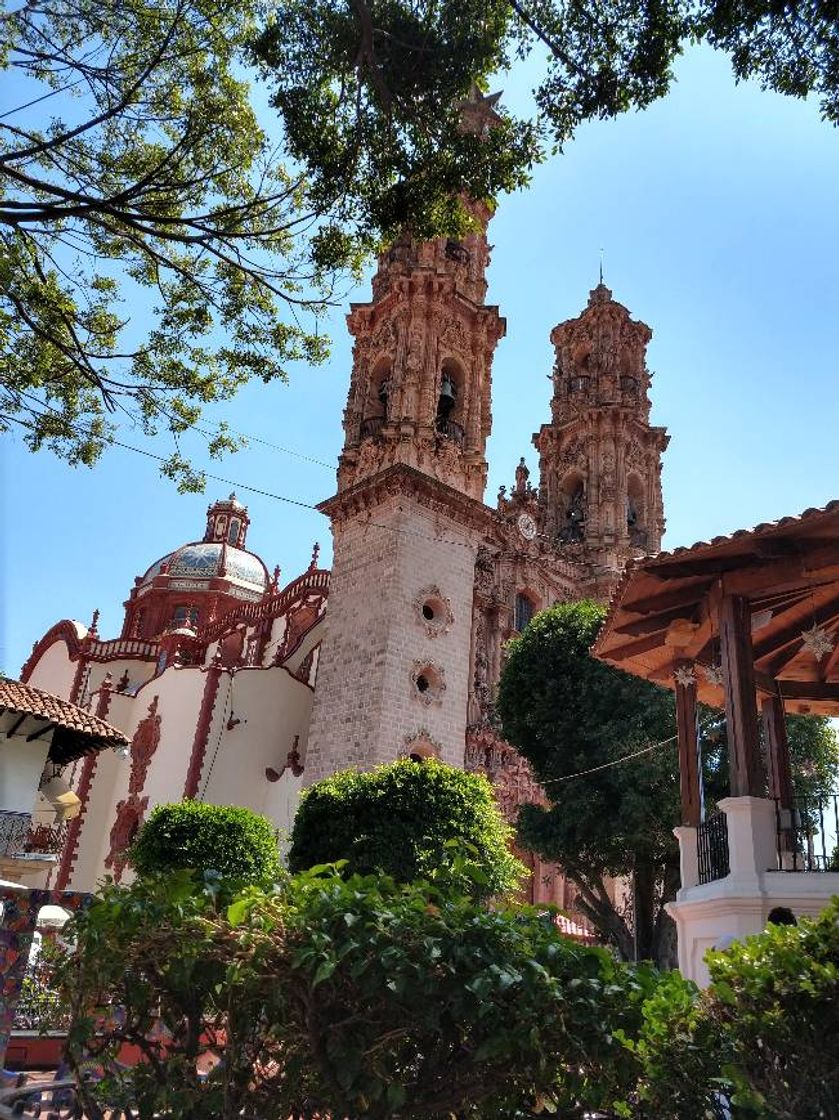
(765,1033)
(775,1002)
(234,842)
(409,820)
(347,997)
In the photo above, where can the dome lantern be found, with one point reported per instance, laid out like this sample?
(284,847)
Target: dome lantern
(227,521)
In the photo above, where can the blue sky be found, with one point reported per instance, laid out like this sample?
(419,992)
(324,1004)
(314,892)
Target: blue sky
(717,212)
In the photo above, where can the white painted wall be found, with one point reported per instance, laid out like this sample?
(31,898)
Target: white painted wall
(21,766)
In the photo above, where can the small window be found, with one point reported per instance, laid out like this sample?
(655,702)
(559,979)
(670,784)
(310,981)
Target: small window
(578,384)
(524,611)
(185,615)
(233,531)
(629,385)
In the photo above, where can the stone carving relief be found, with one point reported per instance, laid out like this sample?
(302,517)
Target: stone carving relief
(510,774)
(131,811)
(421,745)
(454,335)
(433,610)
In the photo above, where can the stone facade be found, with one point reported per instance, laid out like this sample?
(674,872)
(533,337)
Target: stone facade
(259,690)
(415,543)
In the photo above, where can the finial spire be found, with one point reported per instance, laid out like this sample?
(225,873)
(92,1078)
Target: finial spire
(315,554)
(601,265)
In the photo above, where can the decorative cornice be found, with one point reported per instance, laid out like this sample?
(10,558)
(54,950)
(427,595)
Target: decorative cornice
(401,481)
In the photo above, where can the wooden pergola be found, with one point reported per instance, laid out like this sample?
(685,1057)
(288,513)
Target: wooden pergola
(748,623)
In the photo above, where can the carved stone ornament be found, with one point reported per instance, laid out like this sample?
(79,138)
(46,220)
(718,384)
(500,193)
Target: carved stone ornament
(144,744)
(129,817)
(428,681)
(433,610)
(421,744)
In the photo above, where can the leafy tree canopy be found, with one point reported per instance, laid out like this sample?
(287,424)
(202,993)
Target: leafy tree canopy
(230,840)
(155,249)
(410,820)
(369,89)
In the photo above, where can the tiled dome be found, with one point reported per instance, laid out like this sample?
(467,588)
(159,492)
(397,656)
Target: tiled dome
(205,560)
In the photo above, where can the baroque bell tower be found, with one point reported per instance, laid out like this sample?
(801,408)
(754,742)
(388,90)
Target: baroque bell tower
(420,386)
(408,515)
(599,457)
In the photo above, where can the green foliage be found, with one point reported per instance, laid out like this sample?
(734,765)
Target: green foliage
(409,820)
(775,1001)
(567,712)
(231,841)
(765,1033)
(368,90)
(369,96)
(346,996)
(153,968)
(360,996)
(143,190)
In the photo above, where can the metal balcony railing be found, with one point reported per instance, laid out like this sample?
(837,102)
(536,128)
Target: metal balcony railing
(712,848)
(807,834)
(20,837)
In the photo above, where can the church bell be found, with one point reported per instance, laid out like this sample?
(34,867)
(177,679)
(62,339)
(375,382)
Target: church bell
(447,392)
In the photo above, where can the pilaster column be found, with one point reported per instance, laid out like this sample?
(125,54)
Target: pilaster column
(777,751)
(689,772)
(745,766)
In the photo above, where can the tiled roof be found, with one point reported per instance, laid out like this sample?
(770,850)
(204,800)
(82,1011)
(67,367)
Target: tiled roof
(646,563)
(76,731)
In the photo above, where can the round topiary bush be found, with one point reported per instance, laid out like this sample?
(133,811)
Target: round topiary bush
(407,819)
(231,840)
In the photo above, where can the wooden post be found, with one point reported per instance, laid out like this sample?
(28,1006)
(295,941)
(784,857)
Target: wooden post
(689,777)
(777,751)
(745,766)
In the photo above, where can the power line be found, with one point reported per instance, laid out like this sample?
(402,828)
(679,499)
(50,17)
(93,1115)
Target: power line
(238,485)
(614,762)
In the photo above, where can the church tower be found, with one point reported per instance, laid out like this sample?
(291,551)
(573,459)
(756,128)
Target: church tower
(393,679)
(599,457)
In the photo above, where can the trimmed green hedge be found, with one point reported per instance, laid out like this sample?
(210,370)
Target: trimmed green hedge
(407,819)
(231,840)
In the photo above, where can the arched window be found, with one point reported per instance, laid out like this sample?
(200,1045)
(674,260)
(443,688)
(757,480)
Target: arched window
(635,513)
(233,531)
(572,522)
(524,611)
(378,395)
(450,402)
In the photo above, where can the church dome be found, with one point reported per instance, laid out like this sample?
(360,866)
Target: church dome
(220,555)
(207,560)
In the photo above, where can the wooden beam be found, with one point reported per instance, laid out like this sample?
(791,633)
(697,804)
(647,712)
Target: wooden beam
(689,767)
(779,771)
(17,723)
(776,642)
(42,731)
(665,600)
(652,623)
(808,690)
(631,649)
(746,768)
(810,573)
